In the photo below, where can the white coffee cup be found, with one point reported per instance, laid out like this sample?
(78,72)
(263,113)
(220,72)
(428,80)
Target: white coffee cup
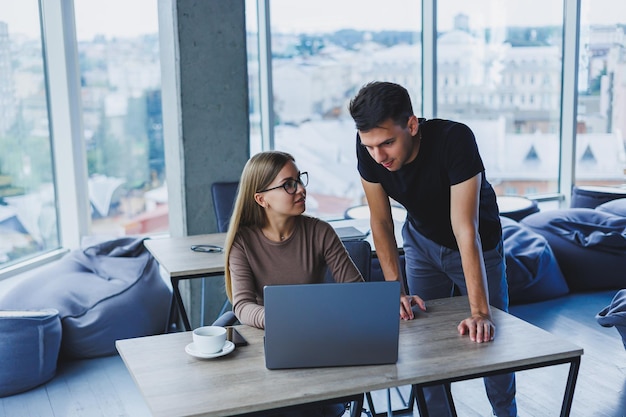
(209,339)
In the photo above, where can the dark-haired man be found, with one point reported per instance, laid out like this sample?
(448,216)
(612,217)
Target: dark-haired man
(452,235)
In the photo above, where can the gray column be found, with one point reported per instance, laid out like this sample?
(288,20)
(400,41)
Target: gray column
(205,117)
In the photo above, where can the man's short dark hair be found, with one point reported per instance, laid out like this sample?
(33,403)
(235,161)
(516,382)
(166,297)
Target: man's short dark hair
(379,101)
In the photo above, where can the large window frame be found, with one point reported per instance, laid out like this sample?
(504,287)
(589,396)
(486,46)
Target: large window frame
(569,85)
(60,49)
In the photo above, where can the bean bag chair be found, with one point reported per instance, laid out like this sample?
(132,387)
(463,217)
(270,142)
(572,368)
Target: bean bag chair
(589,196)
(532,271)
(589,245)
(108,291)
(615,315)
(616,207)
(29,349)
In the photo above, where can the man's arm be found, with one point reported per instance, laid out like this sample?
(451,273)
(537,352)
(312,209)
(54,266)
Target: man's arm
(464,207)
(381,223)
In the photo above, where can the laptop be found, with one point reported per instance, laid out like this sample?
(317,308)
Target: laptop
(331,324)
(350,233)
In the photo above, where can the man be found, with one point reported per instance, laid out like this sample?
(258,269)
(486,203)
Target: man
(452,235)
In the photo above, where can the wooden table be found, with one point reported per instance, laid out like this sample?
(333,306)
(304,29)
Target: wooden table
(175,256)
(180,262)
(430,352)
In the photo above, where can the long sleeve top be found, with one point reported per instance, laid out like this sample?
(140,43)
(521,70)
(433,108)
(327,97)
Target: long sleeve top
(303,258)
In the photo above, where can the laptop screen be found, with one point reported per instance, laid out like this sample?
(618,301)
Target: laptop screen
(333,324)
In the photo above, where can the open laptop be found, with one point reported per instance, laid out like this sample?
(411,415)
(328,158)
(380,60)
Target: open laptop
(350,233)
(333,324)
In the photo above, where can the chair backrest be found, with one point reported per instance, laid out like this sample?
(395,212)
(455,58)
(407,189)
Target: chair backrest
(361,253)
(224,194)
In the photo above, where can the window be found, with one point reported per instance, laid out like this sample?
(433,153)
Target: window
(503,46)
(601,121)
(118,48)
(28,205)
(513,59)
(322,53)
(117,155)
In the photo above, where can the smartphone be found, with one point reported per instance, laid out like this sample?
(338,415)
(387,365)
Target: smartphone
(234,336)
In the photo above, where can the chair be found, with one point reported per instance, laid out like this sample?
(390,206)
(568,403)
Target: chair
(224,194)
(587,196)
(361,253)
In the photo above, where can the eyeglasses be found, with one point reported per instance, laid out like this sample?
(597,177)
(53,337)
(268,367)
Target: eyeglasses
(207,248)
(291,185)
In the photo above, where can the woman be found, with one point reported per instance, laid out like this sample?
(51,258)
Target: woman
(270,241)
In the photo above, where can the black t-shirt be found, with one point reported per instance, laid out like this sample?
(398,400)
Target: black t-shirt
(448,155)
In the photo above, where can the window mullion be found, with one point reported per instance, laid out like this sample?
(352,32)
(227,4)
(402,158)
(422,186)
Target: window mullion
(429,58)
(63,85)
(569,98)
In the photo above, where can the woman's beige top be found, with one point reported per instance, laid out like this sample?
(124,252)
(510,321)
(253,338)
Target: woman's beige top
(256,261)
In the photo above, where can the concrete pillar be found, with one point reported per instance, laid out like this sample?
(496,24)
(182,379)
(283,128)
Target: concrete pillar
(205,118)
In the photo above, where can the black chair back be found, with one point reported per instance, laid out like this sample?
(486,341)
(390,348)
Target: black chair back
(361,253)
(224,194)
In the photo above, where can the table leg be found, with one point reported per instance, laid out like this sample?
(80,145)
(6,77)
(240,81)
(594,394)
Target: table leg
(448,389)
(421,400)
(408,405)
(568,397)
(179,302)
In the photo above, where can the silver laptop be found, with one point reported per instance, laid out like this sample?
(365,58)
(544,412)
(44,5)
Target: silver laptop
(334,324)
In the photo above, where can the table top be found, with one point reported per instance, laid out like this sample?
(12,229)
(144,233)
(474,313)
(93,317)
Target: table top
(508,203)
(174,254)
(176,384)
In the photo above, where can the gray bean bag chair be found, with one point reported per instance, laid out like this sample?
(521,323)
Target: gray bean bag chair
(532,271)
(615,315)
(589,245)
(29,349)
(108,291)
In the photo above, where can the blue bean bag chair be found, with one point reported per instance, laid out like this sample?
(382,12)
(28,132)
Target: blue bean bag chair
(108,291)
(589,245)
(532,271)
(617,207)
(615,315)
(29,349)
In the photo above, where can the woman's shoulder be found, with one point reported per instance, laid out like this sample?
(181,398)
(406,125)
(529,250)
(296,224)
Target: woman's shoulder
(314,223)
(317,229)
(246,234)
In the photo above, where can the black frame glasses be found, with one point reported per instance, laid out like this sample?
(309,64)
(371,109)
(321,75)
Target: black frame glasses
(291,185)
(207,248)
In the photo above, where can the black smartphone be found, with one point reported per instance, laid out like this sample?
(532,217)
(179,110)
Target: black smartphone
(234,336)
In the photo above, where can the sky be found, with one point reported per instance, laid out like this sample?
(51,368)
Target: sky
(124,18)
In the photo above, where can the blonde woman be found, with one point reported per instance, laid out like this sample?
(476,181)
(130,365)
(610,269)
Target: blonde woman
(270,241)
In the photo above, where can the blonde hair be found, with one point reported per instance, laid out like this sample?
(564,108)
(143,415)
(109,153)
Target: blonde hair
(257,175)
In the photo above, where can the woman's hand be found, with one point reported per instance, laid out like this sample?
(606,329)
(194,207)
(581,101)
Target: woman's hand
(406,302)
(480,328)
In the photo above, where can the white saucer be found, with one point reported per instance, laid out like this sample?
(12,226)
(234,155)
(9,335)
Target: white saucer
(228,347)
